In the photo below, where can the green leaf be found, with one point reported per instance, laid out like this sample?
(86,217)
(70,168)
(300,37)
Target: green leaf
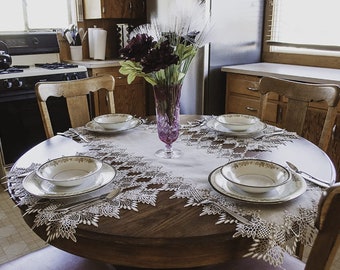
(131,77)
(181,76)
(150,80)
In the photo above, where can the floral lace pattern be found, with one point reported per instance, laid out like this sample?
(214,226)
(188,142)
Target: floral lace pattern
(141,182)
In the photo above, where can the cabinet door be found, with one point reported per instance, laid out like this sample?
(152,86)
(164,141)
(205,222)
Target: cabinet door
(138,9)
(92,9)
(129,98)
(114,9)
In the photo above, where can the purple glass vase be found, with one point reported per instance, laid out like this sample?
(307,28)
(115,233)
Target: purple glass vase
(167,99)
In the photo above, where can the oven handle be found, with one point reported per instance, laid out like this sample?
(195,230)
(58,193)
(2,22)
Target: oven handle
(17,95)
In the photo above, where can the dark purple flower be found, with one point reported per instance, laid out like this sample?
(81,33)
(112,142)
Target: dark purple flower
(138,47)
(159,58)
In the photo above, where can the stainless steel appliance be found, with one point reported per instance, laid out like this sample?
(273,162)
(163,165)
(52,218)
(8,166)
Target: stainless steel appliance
(235,38)
(35,58)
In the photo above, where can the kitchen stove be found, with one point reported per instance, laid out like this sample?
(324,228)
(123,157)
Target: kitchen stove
(35,58)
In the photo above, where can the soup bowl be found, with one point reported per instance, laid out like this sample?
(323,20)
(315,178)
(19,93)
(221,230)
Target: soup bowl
(237,122)
(113,121)
(255,175)
(69,171)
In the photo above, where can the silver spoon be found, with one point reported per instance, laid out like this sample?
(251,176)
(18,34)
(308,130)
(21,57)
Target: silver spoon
(310,178)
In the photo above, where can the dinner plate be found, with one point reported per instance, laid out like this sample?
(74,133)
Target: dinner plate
(38,187)
(217,126)
(94,127)
(293,189)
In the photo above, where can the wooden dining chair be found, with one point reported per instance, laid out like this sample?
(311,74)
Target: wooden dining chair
(3,171)
(76,93)
(299,96)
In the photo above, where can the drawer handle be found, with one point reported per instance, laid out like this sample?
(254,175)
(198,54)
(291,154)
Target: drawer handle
(252,109)
(254,89)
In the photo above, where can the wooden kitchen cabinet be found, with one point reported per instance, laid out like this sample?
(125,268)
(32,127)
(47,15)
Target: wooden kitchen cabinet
(114,9)
(129,98)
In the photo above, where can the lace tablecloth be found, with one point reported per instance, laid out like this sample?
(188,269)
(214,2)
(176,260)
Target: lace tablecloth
(274,228)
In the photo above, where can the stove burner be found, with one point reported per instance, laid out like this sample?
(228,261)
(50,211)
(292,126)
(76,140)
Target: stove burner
(11,70)
(56,65)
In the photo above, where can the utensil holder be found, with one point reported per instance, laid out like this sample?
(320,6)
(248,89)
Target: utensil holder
(76,52)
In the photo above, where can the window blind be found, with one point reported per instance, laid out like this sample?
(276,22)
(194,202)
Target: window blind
(305,26)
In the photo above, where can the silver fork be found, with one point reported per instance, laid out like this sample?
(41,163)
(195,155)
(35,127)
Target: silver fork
(266,135)
(201,200)
(80,205)
(79,135)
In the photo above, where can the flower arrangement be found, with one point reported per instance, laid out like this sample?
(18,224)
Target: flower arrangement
(161,53)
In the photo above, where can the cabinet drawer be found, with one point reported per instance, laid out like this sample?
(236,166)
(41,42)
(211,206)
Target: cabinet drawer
(119,78)
(250,106)
(246,85)
(243,84)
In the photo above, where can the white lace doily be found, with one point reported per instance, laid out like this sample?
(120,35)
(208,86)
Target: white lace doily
(274,229)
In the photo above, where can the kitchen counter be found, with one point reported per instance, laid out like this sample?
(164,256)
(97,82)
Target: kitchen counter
(291,72)
(90,63)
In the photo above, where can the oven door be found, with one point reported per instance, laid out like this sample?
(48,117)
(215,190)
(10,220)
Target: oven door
(21,125)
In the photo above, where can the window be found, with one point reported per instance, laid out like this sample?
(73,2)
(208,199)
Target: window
(35,15)
(302,27)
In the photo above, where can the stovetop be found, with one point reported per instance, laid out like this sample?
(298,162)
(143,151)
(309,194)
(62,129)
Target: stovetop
(39,71)
(56,65)
(11,70)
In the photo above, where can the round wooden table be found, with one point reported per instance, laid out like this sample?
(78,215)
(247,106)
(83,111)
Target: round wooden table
(167,235)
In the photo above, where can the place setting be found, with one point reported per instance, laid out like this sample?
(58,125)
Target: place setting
(68,176)
(236,124)
(257,181)
(113,123)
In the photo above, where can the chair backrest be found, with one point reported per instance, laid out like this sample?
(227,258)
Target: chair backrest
(2,163)
(299,95)
(76,94)
(327,241)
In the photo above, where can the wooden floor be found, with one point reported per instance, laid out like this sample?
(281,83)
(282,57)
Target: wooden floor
(17,239)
